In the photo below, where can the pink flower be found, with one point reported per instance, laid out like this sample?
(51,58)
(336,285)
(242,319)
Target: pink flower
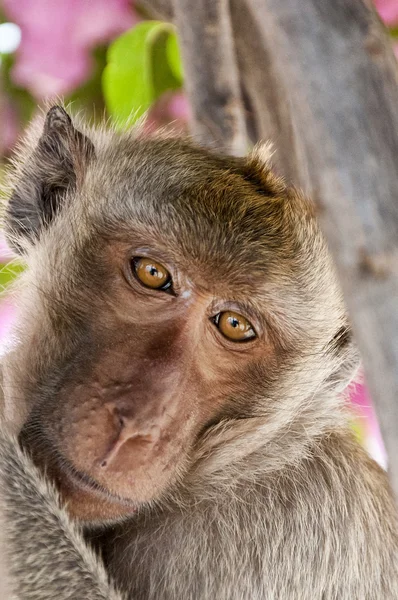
(373,441)
(57,36)
(179,107)
(7,316)
(388,10)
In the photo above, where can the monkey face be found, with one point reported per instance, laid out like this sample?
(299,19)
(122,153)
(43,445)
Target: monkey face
(168,290)
(153,370)
(147,373)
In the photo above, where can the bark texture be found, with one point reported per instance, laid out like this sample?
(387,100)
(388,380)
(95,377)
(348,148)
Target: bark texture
(206,38)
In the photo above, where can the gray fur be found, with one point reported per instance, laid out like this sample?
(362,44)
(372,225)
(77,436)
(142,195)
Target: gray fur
(44,551)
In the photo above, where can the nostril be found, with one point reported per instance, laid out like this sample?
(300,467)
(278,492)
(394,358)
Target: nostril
(131,436)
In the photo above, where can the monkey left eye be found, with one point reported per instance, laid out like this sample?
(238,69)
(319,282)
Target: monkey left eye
(151,273)
(234,326)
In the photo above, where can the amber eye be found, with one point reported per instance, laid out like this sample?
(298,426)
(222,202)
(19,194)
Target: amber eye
(234,327)
(151,273)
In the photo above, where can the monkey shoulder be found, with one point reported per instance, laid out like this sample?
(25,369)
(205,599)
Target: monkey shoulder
(337,484)
(338,502)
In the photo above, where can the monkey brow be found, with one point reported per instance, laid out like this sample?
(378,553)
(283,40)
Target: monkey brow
(250,308)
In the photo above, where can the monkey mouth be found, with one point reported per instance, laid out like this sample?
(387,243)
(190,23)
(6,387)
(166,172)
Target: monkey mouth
(70,476)
(88,501)
(85,498)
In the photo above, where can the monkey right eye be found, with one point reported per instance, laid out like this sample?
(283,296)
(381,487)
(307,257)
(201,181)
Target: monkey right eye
(151,273)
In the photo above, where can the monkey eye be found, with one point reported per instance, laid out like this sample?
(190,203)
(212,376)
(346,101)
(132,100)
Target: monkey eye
(234,326)
(151,273)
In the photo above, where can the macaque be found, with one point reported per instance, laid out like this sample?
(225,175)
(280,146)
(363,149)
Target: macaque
(174,384)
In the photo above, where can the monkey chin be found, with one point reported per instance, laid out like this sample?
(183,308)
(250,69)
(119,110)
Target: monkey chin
(91,507)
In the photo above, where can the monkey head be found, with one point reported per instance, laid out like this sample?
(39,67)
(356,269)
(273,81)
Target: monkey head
(172,298)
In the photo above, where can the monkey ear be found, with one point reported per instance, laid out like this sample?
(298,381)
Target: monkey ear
(56,166)
(344,351)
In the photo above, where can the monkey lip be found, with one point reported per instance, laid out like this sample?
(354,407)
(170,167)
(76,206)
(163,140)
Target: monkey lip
(69,479)
(74,484)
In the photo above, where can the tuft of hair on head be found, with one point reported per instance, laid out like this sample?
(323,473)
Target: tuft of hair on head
(257,169)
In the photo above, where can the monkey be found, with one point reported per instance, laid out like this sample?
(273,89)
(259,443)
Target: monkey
(174,418)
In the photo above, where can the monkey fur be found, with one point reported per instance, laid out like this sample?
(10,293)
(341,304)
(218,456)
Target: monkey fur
(151,455)
(67,568)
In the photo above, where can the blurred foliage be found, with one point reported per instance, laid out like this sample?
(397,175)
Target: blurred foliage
(142,64)
(20,97)
(128,77)
(8,272)
(22,100)
(89,97)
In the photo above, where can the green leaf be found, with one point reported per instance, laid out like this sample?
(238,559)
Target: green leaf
(126,78)
(393,32)
(8,272)
(174,57)
(163,77)
(140,67)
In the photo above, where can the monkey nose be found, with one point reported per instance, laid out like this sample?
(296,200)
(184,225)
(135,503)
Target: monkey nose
(131,434)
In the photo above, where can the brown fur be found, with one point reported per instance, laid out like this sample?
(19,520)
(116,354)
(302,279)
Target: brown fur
(213,469)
